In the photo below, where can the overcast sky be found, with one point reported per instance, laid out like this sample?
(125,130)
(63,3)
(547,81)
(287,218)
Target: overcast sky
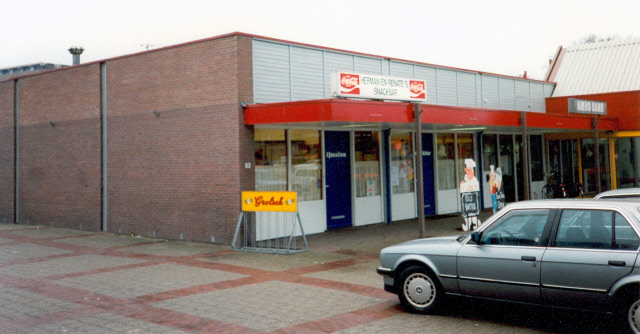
(502,36)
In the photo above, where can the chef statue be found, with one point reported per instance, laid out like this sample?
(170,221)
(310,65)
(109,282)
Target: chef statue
(470,196)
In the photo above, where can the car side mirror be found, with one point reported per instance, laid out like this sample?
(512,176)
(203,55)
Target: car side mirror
(475,237)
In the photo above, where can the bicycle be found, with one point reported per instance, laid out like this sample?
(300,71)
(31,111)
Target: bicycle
(553,188)
(556,189)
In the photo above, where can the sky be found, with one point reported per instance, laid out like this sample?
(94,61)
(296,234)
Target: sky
(502,36)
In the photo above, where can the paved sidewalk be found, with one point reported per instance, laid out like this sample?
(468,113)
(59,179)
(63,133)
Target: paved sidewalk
(56,280)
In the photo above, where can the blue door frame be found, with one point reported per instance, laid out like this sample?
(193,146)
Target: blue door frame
(428,171)
(428,183)
(338,178)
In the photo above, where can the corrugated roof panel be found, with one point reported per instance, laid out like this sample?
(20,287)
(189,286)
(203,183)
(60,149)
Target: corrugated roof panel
(603,67)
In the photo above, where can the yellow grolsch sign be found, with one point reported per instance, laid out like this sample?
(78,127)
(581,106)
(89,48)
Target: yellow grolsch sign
(278,201)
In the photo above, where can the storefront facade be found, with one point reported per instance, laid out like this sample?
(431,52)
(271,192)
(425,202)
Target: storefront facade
(162,143)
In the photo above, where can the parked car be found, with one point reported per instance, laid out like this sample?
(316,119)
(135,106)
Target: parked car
(624,193)
(579,254)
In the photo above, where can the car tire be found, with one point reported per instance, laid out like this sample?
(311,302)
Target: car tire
(419,290)
(632,316)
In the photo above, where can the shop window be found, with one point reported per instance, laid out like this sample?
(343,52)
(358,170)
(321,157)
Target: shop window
(590,167)
(402,173)
(446,158)
(535,147)
(489,152)
(367,158)
(465,151)
(271,160)
(627,162)
(306,164)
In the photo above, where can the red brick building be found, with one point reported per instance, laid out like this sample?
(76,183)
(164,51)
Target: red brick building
(157,143)
(175,140)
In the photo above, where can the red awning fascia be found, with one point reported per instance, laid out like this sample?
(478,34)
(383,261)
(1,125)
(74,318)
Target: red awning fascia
(343,110)
(329,110)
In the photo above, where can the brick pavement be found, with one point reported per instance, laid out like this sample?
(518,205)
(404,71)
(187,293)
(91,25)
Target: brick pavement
(55,280)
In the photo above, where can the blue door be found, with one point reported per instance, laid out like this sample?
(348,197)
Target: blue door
(428,182)
(338,178)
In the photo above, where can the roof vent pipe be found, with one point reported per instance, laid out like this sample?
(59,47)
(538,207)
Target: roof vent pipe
(76,51)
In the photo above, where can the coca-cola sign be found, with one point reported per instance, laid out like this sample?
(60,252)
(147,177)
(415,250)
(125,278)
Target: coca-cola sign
(377,87)
(349,84)
(418,89)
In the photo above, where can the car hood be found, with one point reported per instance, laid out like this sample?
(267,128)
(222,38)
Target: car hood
(448,245)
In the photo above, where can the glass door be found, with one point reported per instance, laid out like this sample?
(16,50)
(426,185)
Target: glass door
(490,169)
(368,203)
(448,195)
(589,165)
(403,195)
(507,167)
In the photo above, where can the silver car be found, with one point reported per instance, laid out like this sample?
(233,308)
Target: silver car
(579,254)
(623,193)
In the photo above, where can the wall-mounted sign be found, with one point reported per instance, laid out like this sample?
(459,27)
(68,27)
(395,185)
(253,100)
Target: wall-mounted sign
(277,201)
(578,106)
(377,87)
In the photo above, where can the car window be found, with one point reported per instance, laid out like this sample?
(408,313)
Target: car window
(517,227)
(625,236)
(595,229)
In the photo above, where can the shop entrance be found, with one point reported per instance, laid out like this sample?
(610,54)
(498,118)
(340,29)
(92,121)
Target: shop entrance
(402,178)
(338,178)
(367,180)
(589,165)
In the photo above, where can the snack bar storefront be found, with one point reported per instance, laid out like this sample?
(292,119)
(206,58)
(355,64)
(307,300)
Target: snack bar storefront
(352,161)
(168,152)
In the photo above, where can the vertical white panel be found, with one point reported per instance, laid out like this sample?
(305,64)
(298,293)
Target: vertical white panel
(537,97)
(466,86)
(306,74)
(271,76)
(507,93)
(447,87)
(429,75)
(402,70)
(335,61)
(490,92)
(523,101)
(368,65)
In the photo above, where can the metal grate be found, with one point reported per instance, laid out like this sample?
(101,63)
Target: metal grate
(269,232)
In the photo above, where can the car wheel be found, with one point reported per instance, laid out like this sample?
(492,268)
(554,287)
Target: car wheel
(419,289)
(633,317)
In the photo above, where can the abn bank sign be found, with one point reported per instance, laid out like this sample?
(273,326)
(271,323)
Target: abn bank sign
(376,87)
(587,107)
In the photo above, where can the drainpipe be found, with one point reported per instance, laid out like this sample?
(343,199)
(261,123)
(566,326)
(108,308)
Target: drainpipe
(16,152)
(103,130)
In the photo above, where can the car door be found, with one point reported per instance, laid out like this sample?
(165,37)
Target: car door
(505,262)
(590,250)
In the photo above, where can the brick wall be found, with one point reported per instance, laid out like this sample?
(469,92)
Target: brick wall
(176,136)
(6,152)
(176,148)
(59,147)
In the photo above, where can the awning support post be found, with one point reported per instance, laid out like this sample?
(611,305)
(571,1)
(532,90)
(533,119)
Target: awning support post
(417,112)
